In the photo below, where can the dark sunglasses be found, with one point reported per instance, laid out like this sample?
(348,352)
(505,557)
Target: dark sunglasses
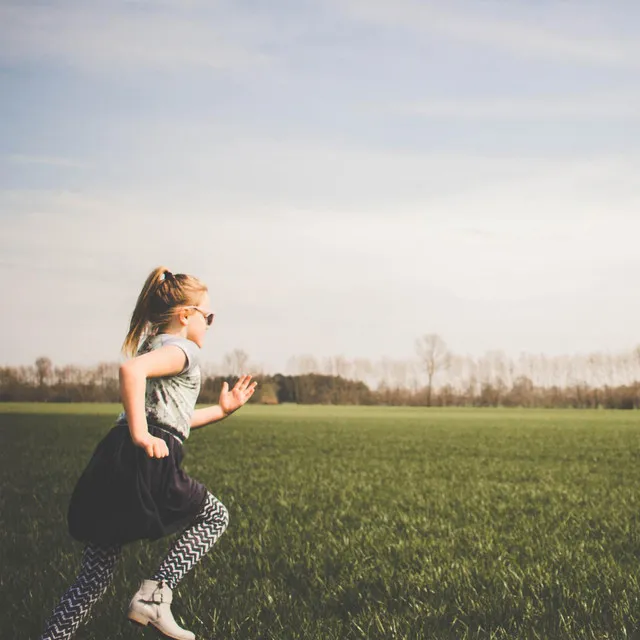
(207,315)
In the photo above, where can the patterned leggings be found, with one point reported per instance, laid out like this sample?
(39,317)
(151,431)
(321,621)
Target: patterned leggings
(99,563)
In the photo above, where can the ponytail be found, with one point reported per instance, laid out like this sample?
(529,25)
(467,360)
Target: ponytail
(162,292)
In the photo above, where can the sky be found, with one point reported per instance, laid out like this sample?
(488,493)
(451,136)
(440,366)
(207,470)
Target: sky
(345,175)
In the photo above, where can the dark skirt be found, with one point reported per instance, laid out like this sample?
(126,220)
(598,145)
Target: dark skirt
(124,495)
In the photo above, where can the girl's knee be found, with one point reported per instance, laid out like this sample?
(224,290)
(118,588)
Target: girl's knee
(218,513)
(224,516)
(221,515)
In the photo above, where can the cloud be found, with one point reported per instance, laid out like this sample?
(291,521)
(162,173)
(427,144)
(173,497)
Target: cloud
(318,176)
(51,161)
(542,108)
(472,261)
(563,41)
(138,35)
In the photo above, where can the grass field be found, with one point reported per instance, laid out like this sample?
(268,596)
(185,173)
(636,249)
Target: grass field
(356,523)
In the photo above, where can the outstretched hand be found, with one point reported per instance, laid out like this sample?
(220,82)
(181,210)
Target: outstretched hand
(231,400)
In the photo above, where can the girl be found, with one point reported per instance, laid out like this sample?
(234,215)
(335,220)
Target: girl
(133,486)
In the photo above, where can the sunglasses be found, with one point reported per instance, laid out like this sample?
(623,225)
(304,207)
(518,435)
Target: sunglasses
(207,315)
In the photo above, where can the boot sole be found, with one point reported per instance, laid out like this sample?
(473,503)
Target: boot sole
(143,621)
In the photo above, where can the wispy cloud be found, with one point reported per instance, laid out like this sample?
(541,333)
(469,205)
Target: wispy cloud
(548,232)
(544,108)
(467,24)
(134,35)
(51,161)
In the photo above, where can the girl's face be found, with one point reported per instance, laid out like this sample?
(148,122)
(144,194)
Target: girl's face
(197,322)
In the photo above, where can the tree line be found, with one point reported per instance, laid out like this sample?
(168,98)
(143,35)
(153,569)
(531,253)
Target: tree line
(436,377)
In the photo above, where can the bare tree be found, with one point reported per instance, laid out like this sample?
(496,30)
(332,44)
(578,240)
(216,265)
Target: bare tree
(235,363)
(44,370)
(342,367)
(434,356)
(383,369)
(458,372)
(299,365)
(337,366)
(363,370)
(104,372)
(400,374)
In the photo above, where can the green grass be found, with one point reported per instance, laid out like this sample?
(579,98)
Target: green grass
(356,522)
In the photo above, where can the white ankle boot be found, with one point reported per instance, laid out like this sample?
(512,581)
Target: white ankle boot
(152,605)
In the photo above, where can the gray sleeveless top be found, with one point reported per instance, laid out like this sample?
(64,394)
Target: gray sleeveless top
(171,401)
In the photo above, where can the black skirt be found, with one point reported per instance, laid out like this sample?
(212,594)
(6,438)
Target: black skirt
(124,495)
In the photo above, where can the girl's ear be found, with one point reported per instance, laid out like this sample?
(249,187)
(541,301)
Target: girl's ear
(183,317)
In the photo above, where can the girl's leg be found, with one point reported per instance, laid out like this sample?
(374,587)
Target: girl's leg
(152,603)
(195,541)
(96,573)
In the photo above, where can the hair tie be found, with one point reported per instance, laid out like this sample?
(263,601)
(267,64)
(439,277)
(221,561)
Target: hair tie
(167,275)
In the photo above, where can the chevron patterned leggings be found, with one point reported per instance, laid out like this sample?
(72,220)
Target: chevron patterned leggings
(99,563)
(208,526)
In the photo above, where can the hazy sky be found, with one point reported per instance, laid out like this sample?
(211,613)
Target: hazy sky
(345,175)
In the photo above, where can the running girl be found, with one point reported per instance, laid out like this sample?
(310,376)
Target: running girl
(134,487)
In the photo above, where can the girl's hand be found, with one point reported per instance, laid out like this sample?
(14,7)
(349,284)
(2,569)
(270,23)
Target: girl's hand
(154,447)
(232,400)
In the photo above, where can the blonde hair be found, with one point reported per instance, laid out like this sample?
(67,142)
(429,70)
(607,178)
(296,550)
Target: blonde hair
(161,294)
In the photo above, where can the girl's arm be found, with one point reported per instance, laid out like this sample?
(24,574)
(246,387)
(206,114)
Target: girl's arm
(165,361)
(230,401)
(203,417)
